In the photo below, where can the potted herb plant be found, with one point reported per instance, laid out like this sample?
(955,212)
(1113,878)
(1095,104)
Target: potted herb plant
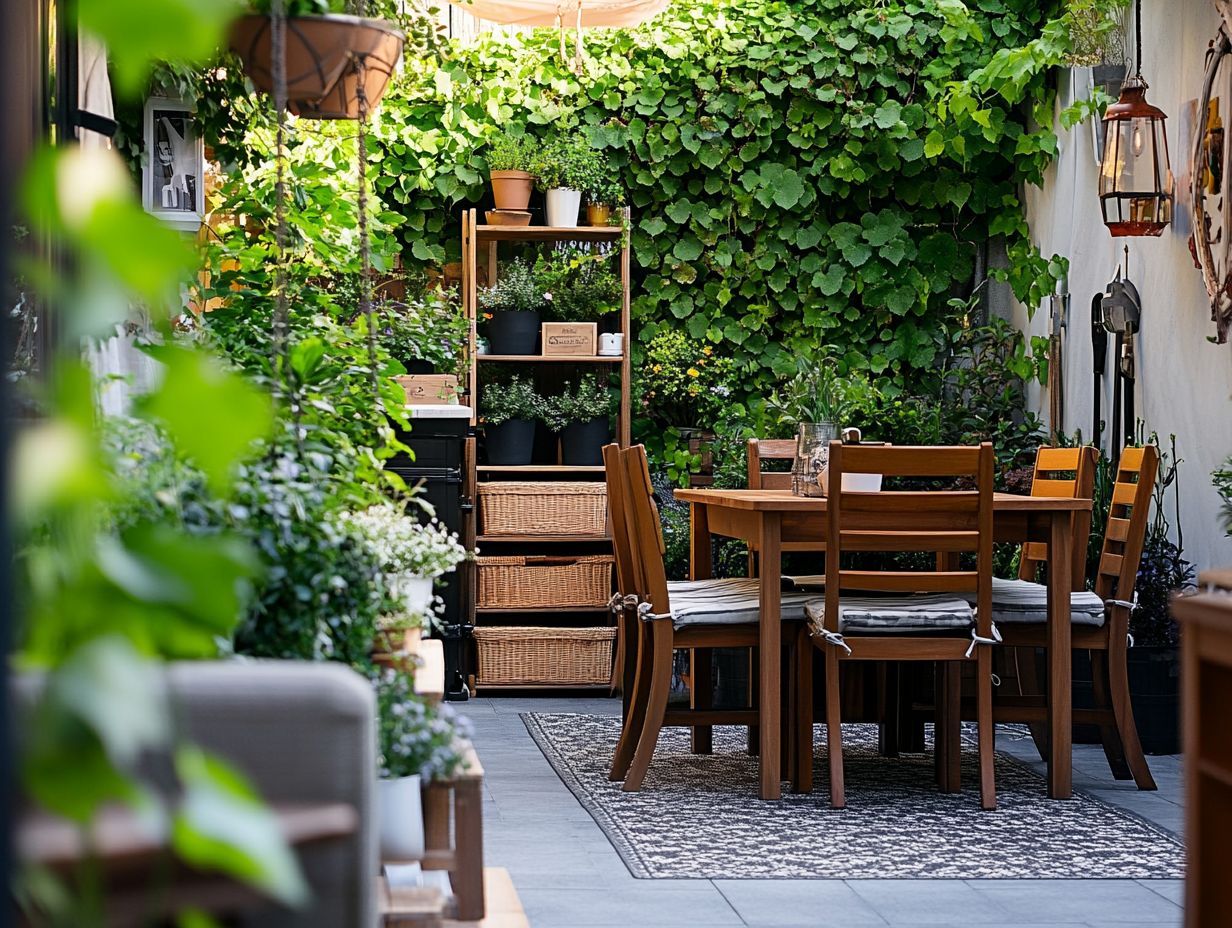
(509,412)
(508,163)
(320,50)
(578,286)
(511,307)
(580,417)
(563,169)
(818,401)
(417,743)
(427,335)
(603,197)
(409,554)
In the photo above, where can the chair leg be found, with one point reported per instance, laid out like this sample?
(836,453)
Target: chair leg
(834,728)
(642,655)
(754,691)
(986,728)
(656,704)
(1028,667)
(802,723)
(1122,709)
(787,704)
(702,697)
(947,727)
(1114,749)
(888,697)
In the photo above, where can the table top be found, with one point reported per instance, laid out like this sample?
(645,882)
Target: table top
(786,501)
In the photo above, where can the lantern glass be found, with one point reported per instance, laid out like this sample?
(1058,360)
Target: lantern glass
(1135,179)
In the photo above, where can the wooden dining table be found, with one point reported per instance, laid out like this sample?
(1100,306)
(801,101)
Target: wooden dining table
(772,519)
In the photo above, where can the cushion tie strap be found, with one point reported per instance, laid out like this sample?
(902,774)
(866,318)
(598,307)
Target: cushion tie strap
(977,639)
(1124,604)
(617,604)
(644,611)
(833,638)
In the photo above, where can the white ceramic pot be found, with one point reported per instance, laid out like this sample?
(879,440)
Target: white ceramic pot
(415,592)
(563,206)
(400,816)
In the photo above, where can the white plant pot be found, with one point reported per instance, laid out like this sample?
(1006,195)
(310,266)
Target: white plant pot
(400,816)
(415,592)
(563,206)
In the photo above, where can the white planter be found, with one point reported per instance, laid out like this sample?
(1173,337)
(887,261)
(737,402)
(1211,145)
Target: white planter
(415,592)
(400,816)
(563,206)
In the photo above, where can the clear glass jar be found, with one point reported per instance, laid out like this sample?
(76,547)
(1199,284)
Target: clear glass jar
(808,474)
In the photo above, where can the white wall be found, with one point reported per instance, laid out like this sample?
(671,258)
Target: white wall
(1184,382)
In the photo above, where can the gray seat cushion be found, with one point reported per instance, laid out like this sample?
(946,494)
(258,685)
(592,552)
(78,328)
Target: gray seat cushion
(729,601)
(1021,602)
(880,614)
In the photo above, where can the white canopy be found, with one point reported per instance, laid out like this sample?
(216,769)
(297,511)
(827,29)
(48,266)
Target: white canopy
(565,13)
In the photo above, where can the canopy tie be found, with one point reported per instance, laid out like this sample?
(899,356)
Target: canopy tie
(976,638)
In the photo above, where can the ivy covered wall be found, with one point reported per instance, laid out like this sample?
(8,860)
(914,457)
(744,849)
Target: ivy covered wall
(800,174)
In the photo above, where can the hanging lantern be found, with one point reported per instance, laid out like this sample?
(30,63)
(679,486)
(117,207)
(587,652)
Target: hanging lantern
(1135,175)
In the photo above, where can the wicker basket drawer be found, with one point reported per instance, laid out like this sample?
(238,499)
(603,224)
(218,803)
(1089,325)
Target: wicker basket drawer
(518,582)
(543,508)
(522,656)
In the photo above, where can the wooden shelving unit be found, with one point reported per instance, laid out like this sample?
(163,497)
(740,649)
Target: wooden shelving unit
(483,249)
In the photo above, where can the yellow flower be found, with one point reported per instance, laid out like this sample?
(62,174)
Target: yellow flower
(657,368)
(707,351)
(694,372)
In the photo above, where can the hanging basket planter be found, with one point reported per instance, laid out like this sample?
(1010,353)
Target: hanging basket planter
(322,53)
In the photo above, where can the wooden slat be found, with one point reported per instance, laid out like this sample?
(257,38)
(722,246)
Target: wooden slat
(1110,564)
(1124,494)
(911,461)
(910,541)
(1116,529)
(409,907)
(891,501)
(1053,459)
(1051,487)
(1131,458)
(948,581)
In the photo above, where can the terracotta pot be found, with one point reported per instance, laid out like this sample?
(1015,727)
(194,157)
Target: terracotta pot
(597,214)
(322,81)
(511,189)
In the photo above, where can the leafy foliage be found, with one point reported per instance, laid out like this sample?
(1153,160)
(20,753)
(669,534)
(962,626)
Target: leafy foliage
(516,290)
(578,286)
(515,398)
(591,399)
(510,152)
(567,161)
(683,383)
(820,393)
(430,328)
(1223,485)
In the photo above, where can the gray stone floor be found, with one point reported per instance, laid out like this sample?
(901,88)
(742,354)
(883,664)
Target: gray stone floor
(569,876)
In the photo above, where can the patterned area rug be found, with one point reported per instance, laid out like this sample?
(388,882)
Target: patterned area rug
(697,817)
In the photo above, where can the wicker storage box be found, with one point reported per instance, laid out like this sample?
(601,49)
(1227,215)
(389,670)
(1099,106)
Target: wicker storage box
(521,582)
(541,656)
(566,507)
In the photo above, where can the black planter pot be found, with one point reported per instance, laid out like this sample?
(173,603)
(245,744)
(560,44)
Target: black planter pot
(417,366)
(1154,687)
(510,443)
(581,443)
(513,333)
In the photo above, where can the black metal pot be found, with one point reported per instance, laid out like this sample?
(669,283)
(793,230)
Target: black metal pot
(510,443)
(513,333)
(1154,690)
(581,443)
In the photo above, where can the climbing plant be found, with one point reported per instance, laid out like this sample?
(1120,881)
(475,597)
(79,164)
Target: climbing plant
(799,173)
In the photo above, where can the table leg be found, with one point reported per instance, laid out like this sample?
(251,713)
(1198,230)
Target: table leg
(770,655)
(701,556)
(1060,660)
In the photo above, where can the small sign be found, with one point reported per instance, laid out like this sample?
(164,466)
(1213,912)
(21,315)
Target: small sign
(578,339)
(430,389)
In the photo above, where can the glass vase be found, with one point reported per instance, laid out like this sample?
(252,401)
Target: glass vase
(812,456)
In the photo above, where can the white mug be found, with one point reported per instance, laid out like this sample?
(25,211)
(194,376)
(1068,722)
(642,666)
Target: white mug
(612,343)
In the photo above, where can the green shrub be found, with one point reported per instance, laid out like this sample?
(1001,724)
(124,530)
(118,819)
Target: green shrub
(513,399)
(510,153)
(578,286)
(431,328)
(567,161)
(590,400)
(516,290)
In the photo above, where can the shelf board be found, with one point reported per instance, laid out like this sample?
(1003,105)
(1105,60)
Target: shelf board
(540,468)
(486,233)
(538,539)
(531,610)
(558,358)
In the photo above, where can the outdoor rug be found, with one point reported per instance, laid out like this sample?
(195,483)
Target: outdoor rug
(698,817)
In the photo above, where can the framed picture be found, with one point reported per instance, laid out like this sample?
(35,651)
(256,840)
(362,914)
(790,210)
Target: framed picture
(172,185)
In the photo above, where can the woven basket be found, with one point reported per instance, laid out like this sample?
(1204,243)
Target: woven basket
(541,656)
(542,508)
(522,582)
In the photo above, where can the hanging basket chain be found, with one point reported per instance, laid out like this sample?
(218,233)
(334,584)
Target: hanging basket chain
(278,33)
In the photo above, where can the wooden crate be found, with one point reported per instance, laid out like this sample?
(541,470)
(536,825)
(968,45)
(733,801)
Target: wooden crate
(532,656)
(430,389)
(572,339)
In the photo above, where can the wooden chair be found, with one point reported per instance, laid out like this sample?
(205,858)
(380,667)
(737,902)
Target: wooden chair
(624,601)
(721,613)
(917,624)
(1100,621)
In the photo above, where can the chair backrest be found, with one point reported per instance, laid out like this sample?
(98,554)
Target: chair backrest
(953,521)
(618,518)
(1125,531)
(645,529)
(1069,473)
(770,449)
